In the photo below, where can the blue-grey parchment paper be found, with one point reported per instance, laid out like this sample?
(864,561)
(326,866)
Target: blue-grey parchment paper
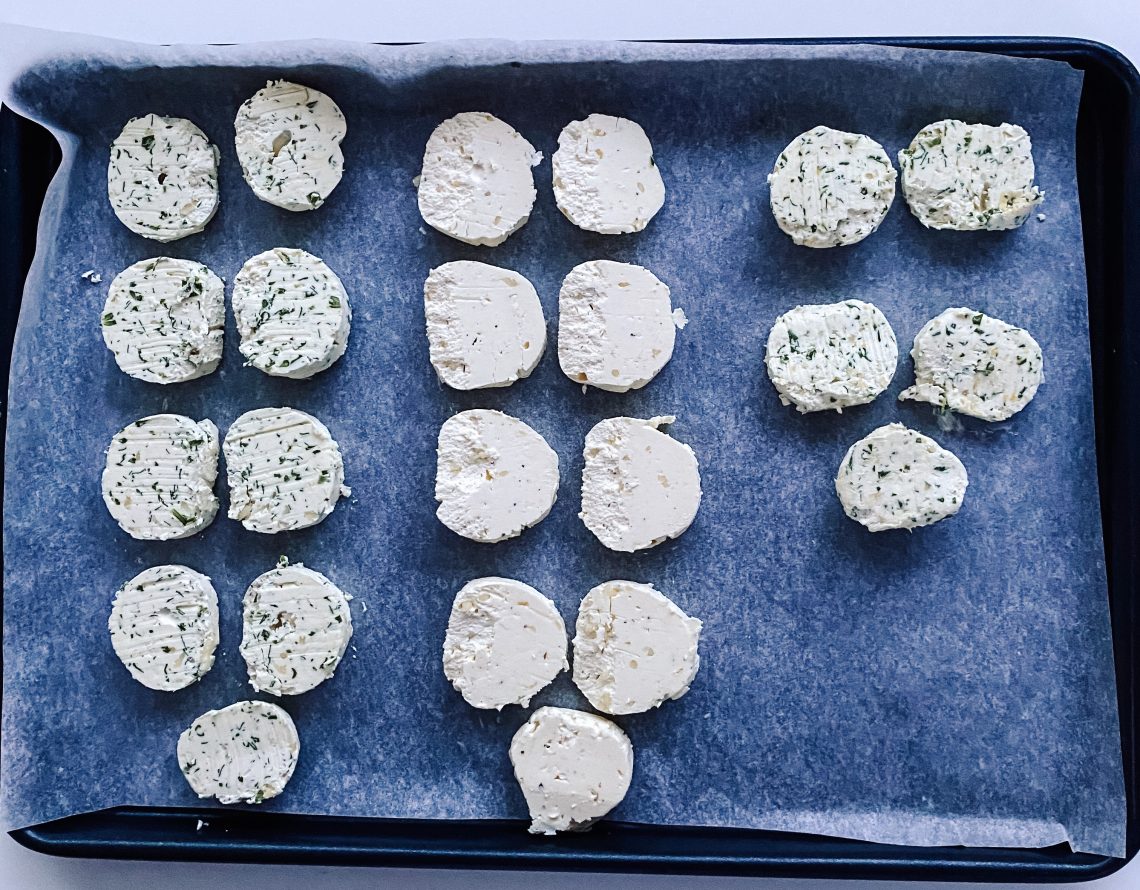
(950,686)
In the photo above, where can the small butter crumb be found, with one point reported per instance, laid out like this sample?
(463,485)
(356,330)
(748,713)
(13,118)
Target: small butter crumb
(1041,217)
(416,181)
(92,276)
(680,319)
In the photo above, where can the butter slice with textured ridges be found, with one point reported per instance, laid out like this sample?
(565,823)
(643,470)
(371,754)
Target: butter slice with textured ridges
(284,468)
(164,320)
(505,642)
(288,139)
(633,648)
(616,325)
(292,313)
(296,626)
(158,482)
(970,177)
(573,768)
(476,184)
(640,486)
(830,188)
(164,626)
(830,357)
(485,326)
(606,178)
(495,476)
(162,178)
(896,477)
(974,364)
(244,753)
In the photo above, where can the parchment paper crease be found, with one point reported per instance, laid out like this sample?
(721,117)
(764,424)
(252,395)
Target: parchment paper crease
(950,686)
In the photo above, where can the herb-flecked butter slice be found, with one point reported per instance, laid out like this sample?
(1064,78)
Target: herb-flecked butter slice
(164,626)
(284,469)
(296,627)
(288,139)
(898,478)
(158,482)
(164,320)
(244,753)
(292,313)
(162,178)
(970,177)
(969,362)
(830,188)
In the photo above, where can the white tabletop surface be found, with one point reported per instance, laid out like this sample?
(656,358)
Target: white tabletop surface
(1116,22)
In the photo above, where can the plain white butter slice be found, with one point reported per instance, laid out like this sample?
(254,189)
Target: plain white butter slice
(830,188)
(573,768)
(292,313)
(476,184)
(505,642)
(633,648)
(284,468)
(244,753)
(485,326)
(158,482)
(640,487)
(898,478)
(288,139)
(164,626)
(164,320)
(616,326)
(495,476)
(296,626)
(162,178)
(605,175)
(830,357)
(974,364)
(970,177)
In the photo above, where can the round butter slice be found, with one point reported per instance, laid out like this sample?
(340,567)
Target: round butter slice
(633,648)
(830,188)
(162,178)
(573,768)
(485,326)
(640,487)
(476,184)
(495,476)
(284,469)
(971,363)
(898,478)
(505,642)
(288,139)
(970,177)
(164,626)
(164,319)
(616,326)
(606,179)
(244,753)
(292,313)
(296,627)
(830,357)
(158,482)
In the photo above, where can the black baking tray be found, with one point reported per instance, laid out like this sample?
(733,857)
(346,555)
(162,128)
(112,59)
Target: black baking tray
(1108,162)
